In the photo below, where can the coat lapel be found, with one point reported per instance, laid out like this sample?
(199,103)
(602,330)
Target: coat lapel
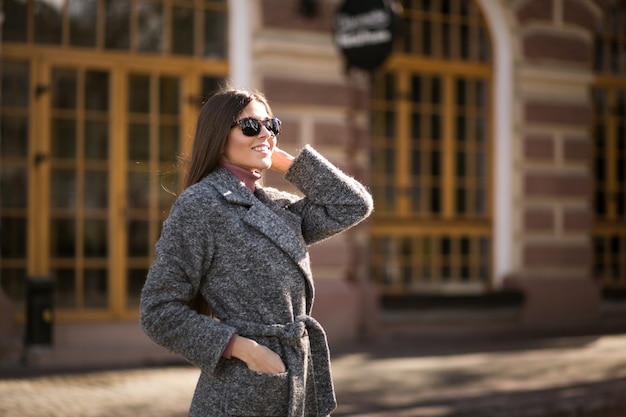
(263,216)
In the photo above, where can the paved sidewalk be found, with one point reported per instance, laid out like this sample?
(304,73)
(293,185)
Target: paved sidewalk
(434,376)
(489,376)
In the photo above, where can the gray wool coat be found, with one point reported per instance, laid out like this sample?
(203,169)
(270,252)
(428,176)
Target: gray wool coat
(246,253)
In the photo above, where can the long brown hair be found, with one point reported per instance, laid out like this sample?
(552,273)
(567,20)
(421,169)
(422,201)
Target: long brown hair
(214,123)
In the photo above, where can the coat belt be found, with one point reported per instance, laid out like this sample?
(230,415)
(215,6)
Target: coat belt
(291,335)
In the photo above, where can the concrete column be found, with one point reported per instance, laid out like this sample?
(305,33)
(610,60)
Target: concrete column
(240,47)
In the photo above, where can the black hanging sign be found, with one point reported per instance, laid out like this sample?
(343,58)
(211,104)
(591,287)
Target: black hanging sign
(364,32)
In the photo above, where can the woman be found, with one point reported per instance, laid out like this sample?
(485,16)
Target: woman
(243,248)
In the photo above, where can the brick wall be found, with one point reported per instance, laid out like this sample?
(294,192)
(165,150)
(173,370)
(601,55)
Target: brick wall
(552,162)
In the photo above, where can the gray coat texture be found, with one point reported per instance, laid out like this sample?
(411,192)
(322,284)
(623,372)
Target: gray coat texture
(246,253)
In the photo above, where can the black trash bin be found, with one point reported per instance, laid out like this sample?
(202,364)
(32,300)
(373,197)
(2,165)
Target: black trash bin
(39,311)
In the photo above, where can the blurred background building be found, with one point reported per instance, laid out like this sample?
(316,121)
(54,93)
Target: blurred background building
(493,138)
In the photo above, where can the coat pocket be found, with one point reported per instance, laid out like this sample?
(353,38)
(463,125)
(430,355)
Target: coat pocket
(255,394)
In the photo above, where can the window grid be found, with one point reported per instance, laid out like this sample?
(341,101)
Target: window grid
(431,158)
(609,149)
(162,27)
(610,41)
(609,168)
(55,219)
(446,29)
(14,176)
(404,263)
(79,184)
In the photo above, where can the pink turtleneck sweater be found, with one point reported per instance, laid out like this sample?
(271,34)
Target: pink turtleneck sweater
(249,178)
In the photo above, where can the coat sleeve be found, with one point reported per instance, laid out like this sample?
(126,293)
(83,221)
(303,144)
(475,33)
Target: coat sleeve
(333,201)
(183,255)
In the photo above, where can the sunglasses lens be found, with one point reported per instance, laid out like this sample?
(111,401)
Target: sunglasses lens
(274,126)
(250,126)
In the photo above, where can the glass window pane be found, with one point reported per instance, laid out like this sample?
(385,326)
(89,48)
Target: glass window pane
(15,28)
(183,30)
(481,166)
(95,238)
(215,34)
(83,22)
(435,91)
(138,142)
(460,201)
(48,21)
(138,238)
(483,40)
(460,128)
(435,127)
(460,168)
(138,190)
(600,169)
(134,284)
(481,130)
(13,237)
(96,189)
(600,207)
(427,41)
(465,246)
(15,83)
(416,89)
(13,187)
(481,201)
(150,31)
(96,288)
(446,39)
(14,137)
(64,88)
(63,238)
(96,140)
(168,143)
(416,198)
(169,96)
(416,165)
(416,126)
(63,189)
(211,85)
(460,92)
(97,90)
(481,94)
(435,163)
(63,138)
(65,288)
(465,41)
(139,94)
(117,26)
(435,200)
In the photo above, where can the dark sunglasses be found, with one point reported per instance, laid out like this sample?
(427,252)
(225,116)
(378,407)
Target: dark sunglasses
(252,127)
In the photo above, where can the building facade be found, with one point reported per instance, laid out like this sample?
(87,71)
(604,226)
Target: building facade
(493,139)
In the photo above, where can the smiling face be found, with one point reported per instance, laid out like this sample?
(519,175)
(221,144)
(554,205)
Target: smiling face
(251,152)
